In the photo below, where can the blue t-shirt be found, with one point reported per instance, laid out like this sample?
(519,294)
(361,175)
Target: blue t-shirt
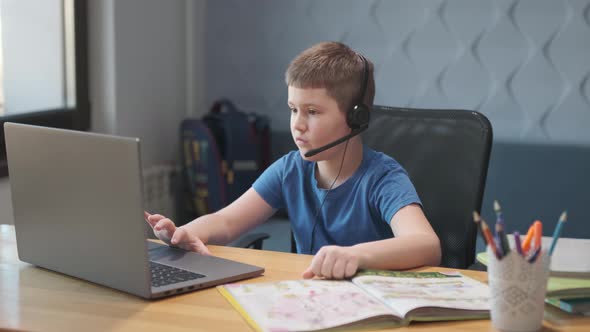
(359,210)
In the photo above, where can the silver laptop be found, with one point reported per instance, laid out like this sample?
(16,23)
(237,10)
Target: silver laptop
(78,210)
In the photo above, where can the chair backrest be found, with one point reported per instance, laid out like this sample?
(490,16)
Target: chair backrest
(446,154)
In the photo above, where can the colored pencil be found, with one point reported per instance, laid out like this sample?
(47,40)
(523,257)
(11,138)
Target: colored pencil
(502,239)
(476,220)
(500,232)
(557,231)
(487,234)
(517,243)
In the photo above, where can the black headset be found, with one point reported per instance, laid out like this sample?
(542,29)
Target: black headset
(358,115)
(357,118)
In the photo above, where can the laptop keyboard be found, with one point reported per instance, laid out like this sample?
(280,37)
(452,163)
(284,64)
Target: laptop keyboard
(163,275)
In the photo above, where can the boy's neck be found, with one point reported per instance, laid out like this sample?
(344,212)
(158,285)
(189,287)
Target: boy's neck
(327,170)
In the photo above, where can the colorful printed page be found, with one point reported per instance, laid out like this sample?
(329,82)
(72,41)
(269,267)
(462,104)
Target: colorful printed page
(302,305)
(407,292)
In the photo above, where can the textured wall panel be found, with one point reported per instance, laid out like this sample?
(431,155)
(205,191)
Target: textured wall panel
(525,64)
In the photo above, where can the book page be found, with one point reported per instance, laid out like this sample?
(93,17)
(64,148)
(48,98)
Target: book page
(406,291)
(304,305)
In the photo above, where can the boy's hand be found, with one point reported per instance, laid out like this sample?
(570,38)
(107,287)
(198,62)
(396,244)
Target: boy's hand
(333,262)
(165,230)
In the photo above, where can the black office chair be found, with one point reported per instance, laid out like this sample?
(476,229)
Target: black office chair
(446,153)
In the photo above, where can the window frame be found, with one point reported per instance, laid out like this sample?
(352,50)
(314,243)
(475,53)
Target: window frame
(77,117)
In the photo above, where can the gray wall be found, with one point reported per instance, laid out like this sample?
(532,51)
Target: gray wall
(524,64)
(142,70)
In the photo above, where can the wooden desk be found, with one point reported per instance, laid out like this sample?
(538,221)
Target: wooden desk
(35,299)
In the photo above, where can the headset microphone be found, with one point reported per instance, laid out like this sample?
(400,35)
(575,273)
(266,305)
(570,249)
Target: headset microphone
(353,133)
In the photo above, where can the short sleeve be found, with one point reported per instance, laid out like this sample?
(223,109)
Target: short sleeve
(393,191)
(269,184)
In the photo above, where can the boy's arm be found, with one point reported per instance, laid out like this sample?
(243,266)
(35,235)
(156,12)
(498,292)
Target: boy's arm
(227,224)
(415,244)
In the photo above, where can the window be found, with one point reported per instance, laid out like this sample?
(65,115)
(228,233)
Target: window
(43,65)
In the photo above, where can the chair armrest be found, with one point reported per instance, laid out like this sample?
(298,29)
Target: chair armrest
(477,266)
(251,240)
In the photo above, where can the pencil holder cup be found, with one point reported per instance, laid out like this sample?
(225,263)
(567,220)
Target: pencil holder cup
(517,291)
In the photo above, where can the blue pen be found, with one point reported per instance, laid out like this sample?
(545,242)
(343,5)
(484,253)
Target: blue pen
(557,231)
(532,258)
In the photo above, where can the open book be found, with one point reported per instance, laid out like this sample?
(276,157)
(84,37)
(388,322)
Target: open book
(370,297)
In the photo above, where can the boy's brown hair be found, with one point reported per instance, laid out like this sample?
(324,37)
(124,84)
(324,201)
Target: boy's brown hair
(335,67)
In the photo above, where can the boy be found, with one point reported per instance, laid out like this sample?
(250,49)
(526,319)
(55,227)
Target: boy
(345,202)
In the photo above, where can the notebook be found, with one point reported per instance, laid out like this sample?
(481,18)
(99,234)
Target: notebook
(568,287)
(578,306)
(78,210)
(382,298)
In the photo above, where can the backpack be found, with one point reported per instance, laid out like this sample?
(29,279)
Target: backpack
(222,155)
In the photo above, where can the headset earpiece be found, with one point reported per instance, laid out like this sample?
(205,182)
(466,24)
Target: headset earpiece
(359,115)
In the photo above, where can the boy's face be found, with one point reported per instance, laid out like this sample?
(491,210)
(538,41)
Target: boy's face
(316,120)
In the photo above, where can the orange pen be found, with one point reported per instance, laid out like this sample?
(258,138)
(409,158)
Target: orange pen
(538,233)
(526,244)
